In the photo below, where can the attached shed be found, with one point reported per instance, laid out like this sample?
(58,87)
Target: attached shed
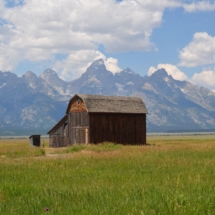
(96,119)
(58,135)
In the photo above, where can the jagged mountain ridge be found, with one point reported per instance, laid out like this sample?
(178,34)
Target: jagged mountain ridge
(171,107)
(26,104)
(30,102)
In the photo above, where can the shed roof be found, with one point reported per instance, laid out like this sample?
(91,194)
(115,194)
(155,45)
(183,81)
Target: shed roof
(111,104)
(34,135)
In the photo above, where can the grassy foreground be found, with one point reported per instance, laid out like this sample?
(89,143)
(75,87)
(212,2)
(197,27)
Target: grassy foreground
(171,175)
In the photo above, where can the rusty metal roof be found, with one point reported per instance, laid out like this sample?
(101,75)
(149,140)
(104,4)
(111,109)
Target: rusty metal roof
(111,104)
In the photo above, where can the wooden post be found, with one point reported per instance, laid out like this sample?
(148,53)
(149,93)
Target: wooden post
(86,135)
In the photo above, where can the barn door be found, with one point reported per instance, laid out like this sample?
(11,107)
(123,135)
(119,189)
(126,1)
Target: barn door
(54,140)
(81,135)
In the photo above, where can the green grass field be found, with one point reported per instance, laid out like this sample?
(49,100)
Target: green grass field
(171,175)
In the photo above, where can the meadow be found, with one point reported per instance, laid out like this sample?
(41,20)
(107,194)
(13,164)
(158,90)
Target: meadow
(170,175)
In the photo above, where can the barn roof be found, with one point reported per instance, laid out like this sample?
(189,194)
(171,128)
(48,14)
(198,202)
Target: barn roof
(111,104)
(63,120)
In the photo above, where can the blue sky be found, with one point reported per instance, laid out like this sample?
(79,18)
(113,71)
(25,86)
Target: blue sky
(68,35)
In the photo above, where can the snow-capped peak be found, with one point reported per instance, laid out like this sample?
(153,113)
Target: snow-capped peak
(98,62)
(129,71)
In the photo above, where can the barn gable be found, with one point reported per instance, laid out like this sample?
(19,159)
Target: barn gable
(76,104)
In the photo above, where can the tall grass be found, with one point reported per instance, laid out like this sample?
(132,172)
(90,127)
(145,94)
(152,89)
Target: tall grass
(19,149)
(169,176)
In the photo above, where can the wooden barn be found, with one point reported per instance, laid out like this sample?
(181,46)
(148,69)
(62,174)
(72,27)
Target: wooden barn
(97,119)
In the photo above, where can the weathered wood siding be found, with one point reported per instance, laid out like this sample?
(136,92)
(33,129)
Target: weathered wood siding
(117,128)
(56,140)
(78,127)
(59,137)
(96,119)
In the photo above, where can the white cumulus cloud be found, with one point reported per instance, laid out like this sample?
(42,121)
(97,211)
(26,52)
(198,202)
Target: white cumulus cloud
(112,65)
(38,30)
(205,79)
(77,62)
(203,5)
(172,70)
(200,51)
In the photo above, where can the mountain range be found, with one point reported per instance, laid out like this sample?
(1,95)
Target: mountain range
(36,103)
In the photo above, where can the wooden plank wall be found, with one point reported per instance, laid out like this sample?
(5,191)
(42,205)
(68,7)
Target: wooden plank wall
(59,137)
(56,140)
(66,135)
(117,128)
(78,123)
(35,140)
